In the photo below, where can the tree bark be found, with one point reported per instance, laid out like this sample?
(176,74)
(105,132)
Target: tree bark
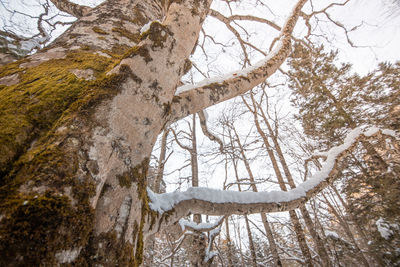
(74,170)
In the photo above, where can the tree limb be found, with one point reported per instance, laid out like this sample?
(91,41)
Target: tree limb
(71,8)
(193,98)
(212,137)
(218,202)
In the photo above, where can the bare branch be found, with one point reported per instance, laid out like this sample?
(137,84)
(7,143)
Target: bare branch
(212,137)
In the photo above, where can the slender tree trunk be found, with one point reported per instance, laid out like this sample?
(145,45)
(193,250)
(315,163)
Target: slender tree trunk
(293,216)
(268,230)
(306,216)
(229,241)
(362,237)
(347,230)
(240,248)
(251,243)
(197,241)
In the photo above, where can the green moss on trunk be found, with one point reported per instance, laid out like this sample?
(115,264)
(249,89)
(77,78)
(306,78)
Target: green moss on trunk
(39,226)
(53,106)
(44,92)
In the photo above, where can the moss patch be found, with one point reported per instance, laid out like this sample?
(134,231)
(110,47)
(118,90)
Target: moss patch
(157,33)
(127,34)
(37,227)
(107,250)
(138,50)
(99,30)
(40,98)
(49,99)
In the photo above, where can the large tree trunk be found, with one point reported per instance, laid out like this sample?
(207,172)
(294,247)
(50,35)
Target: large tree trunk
(78,123)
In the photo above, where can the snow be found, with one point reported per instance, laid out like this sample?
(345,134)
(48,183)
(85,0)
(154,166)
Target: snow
(167,201)
(209,253)
(68,256)
(384,228)
(123,215)
(28,45)
(390,133)
(332,234)
(146,27)
(198,226)
(368,132)
(244,72)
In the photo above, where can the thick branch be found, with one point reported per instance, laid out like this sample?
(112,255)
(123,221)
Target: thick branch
(193,98)
(218,202)
(71,8)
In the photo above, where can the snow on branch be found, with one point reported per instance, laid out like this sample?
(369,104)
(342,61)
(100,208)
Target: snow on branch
(212,235)
(200,227)
(193,98)
(217,202)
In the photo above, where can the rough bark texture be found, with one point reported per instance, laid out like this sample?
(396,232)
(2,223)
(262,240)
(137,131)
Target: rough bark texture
(76,134)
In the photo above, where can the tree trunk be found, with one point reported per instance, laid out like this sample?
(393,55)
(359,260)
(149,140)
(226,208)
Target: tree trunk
(293,216)
(347,230)
(306,216)
(251,243)
(76,148)
(229,244)
(268,230)
(197,241)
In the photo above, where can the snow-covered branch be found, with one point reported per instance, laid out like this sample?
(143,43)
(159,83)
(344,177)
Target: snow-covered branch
(200,227)
(193,98)
(217,202)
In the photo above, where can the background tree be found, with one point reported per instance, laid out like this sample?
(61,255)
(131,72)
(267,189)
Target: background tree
(332,101)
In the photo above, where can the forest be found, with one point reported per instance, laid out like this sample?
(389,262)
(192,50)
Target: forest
(199,133)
